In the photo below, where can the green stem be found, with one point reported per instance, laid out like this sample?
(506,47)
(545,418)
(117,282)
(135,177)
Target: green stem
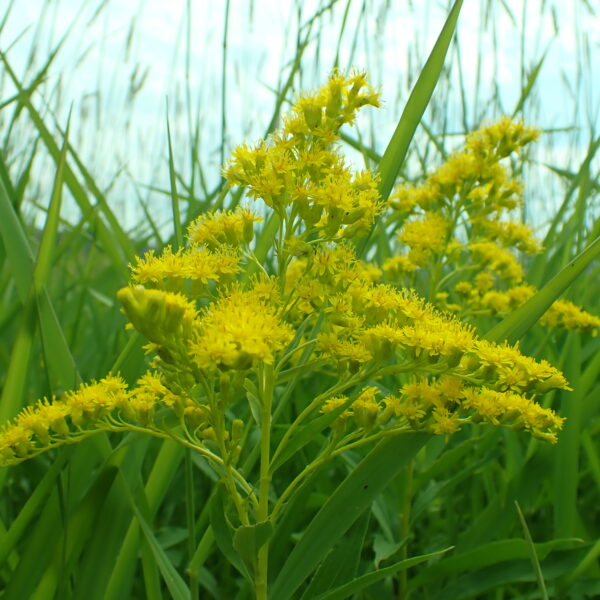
(240,506)
(266,381)
(328,455)
(332,391)
(407,491)
(439,263)
(191,520)
(236,476)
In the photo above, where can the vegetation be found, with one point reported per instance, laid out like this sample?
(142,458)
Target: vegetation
(335,381)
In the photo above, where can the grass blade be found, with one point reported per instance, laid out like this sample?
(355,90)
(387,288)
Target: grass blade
(533,555)
(342,508)
(360,583)
(174,196)
(18,367)
(179,590)
(395,153)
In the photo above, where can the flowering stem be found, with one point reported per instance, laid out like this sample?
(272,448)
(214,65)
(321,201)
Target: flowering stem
(328,454)
(217,407)
(336,389)
(407,491)
(266,382)
(190,518)
(435,284)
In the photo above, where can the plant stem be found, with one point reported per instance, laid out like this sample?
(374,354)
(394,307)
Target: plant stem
(407,491)
(191,521)
(266,399)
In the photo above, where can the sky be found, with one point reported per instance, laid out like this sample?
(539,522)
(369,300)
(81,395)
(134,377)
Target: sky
(124,66)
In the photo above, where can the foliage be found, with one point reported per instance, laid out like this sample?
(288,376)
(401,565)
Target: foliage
(321,355)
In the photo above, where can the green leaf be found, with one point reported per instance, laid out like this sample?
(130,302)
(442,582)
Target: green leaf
(31,508)
(76,533)
(395,153)
(344,506)
(48,241)
(483,556)
(18,251)
(360,583)
(223,531)
(174,196)
(341,564)
(31,280)
(567,475)
(253,399)
(526,91)
(177,586)
(112,244)
(468,584)
(159,483)
(306,434)
(249,539)
(384,547)
(533,555)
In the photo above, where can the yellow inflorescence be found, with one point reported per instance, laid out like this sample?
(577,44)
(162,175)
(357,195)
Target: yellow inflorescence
(196,264)
(218,333)
(48,424)
(239,330)
(299,167)
(458,224)
(232,228)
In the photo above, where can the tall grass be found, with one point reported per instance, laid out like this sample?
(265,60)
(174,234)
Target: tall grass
(87,183)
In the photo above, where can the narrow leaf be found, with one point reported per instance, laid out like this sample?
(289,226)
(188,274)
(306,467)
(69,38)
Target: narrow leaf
(177,586)
(249,539)
(360,583)
(343,507)
(174,196)
(395,153)
(533,555)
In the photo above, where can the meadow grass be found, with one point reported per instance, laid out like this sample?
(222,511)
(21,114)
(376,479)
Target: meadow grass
(482,514)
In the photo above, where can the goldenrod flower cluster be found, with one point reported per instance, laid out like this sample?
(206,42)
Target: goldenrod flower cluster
(239,330)
(233,228)
(219,336)
(457,227)
(562,314)
(198,265)
(300,173)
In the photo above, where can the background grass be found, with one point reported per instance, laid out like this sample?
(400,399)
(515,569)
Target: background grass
(107,518)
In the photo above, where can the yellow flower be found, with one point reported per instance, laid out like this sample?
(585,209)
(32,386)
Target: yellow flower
(501,138)
(397,266)
(195,263)
(163,317)
(427,235)
(514,235)
(15,444)
(443,422)
(331,404)
(366,407)
(564,313)
(498,260)
(237,331)
(95,400)
(233,228)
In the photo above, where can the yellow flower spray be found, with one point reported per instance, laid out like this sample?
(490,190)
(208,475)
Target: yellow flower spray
(229,331)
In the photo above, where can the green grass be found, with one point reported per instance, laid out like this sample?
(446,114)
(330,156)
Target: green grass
(133,517)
